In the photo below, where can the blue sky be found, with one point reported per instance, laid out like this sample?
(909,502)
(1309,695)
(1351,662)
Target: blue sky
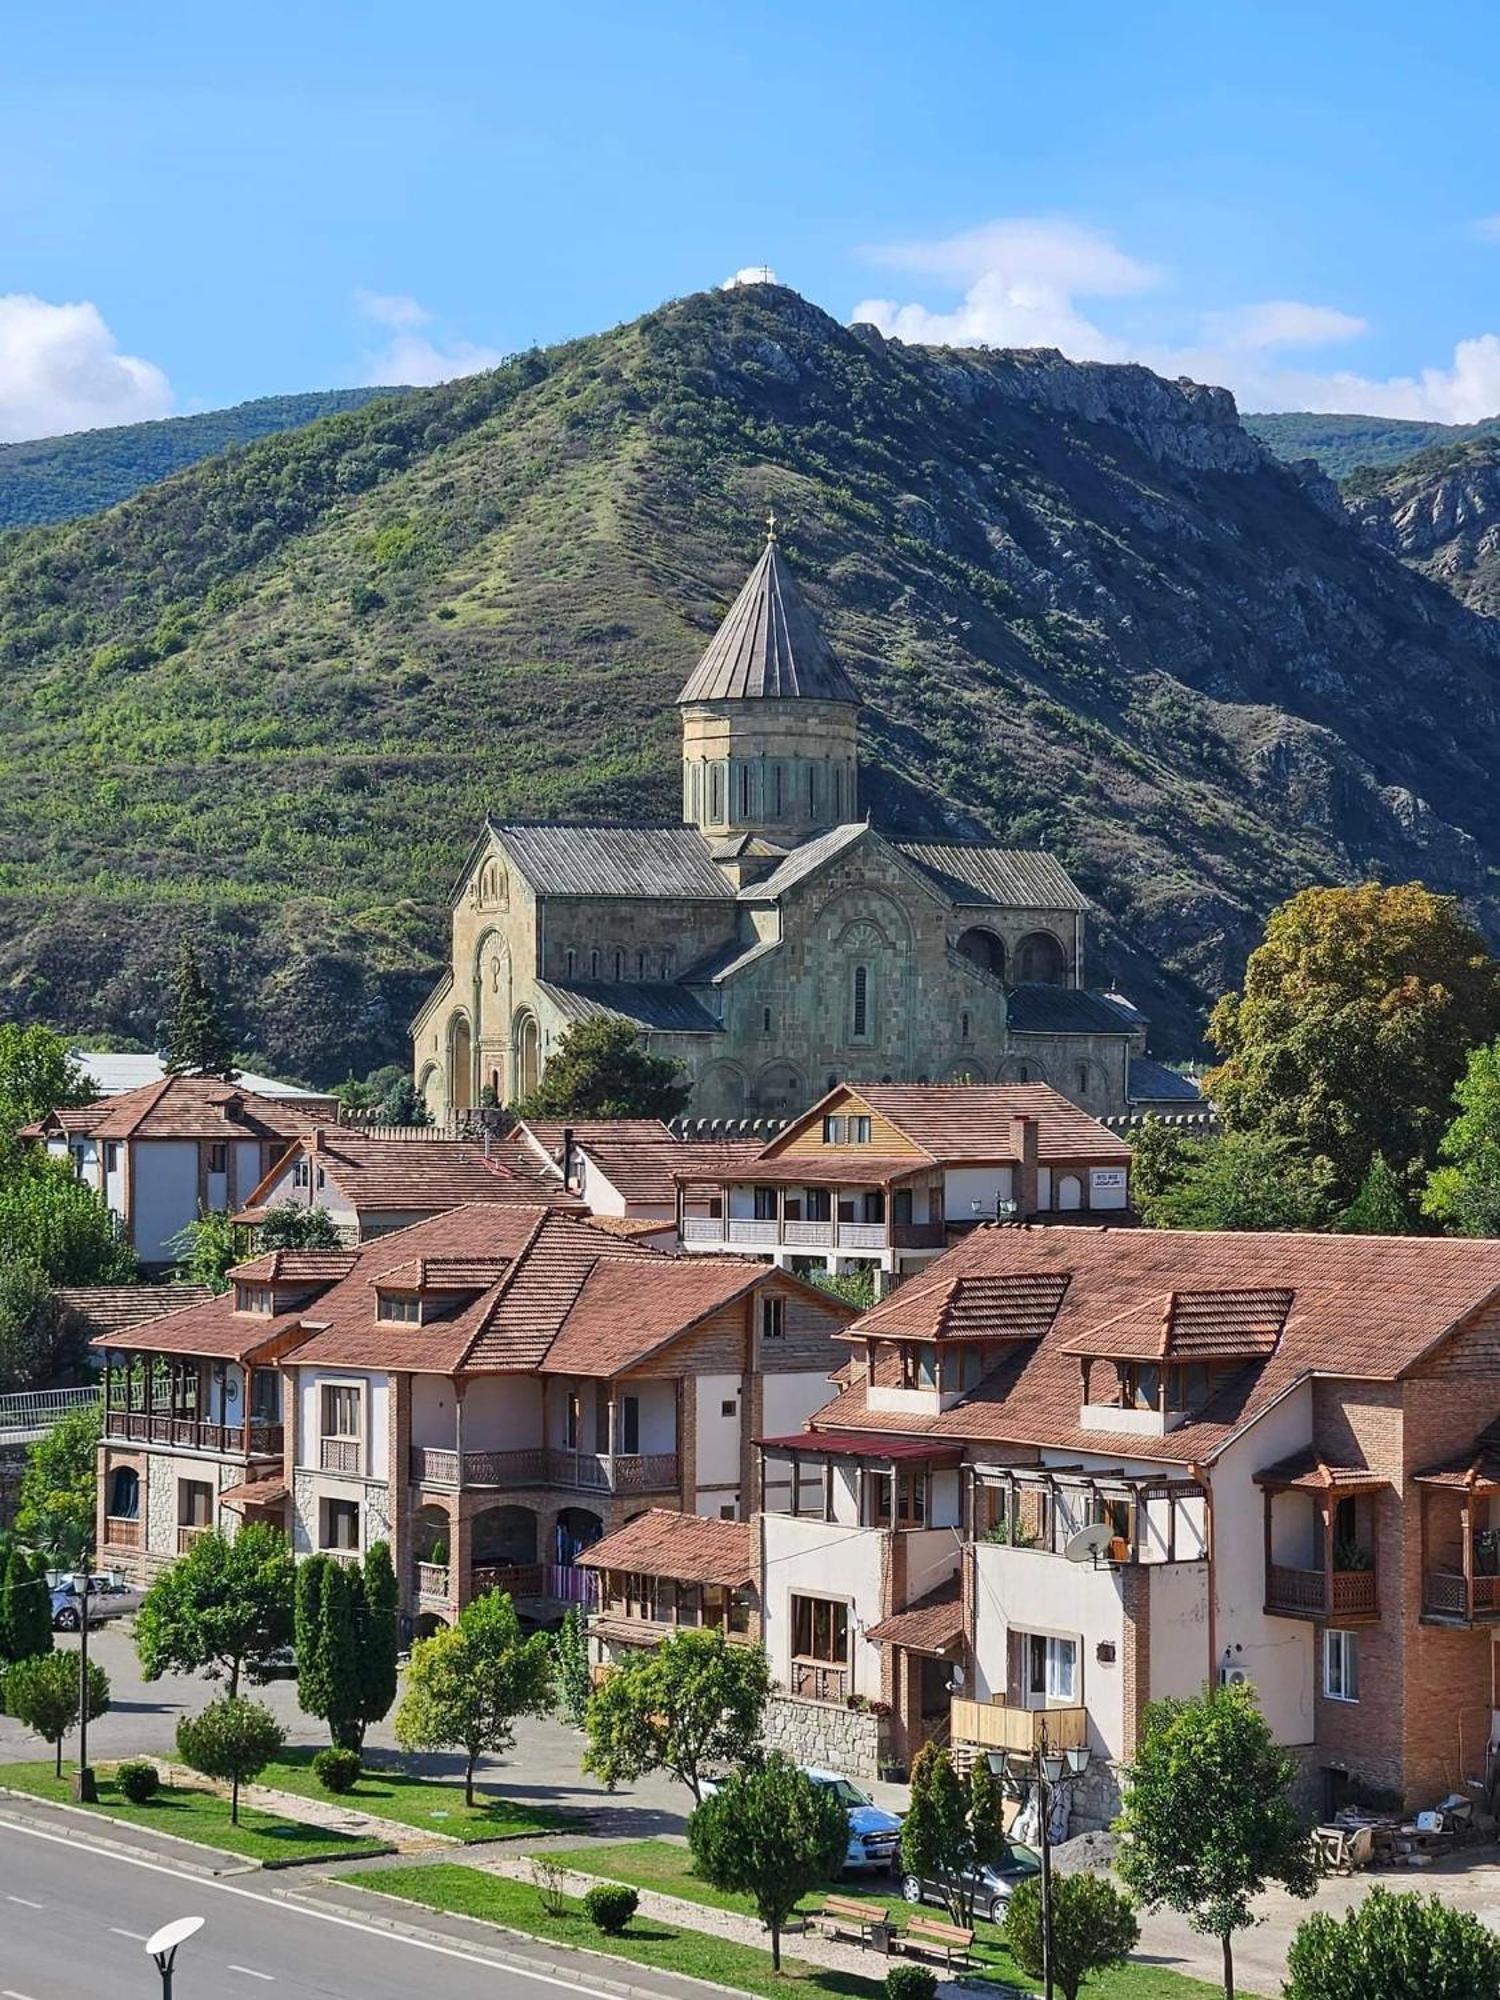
(200,204)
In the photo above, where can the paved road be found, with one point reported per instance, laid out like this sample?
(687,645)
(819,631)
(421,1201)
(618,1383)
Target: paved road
(73,1921)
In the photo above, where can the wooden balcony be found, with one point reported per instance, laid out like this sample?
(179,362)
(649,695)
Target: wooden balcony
(816,1681)
(992,1725)
(1452,1598)
(617,1472)
(187,1537)
(1335,1595)
(433,1466)
(587,1471)
(192,1433)
(122,1531)
(560,1581)
(738,1232)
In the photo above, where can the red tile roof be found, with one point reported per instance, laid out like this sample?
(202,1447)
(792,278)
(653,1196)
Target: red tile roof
(967,1123)
(212,1329)
(650,1173)
(117,1308)
(1017,1305)
(687,1547)
(618,1317)
(632,1227)
(296,1267)
(413,1176)
(182,1107)
(934,1624)
(1362,1306)
(1309,1471)
(852,1166)
(1192,1326)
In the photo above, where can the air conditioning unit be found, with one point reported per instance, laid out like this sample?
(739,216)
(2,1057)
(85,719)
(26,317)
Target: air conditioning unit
(1234,1677)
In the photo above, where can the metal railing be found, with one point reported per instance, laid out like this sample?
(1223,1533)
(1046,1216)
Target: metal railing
(994,1725)
(40,1409)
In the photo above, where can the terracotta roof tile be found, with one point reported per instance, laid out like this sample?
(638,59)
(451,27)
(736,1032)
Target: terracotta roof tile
(958,1123)
(650,1173)
(296,1267)
(615,1319)
(416,1175)
(1192,1326)
(184,1107)
(688,1547)
(934,1624)
(1015,1305)
(117,1308)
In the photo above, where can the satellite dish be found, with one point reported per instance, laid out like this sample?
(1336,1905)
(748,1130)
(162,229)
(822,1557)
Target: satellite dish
(173,1934)
(956,1681)
(1089,1543)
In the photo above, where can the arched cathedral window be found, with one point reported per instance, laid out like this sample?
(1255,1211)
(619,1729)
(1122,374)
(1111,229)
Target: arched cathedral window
(859,1004)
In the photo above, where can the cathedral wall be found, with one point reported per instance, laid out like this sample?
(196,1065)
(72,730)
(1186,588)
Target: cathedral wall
(634,934)
(1014,927)
(1089,1070)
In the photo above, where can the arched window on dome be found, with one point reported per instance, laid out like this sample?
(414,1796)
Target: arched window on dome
(716,795)
(778,790)
(812,791)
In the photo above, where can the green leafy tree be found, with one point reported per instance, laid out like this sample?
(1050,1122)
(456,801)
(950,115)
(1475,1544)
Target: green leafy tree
(1379,1208)
(328,1598)
(288,1228)
(42,1693)
(42,1342)
(685,1706)
(1463,1194)
(38,1073)
(198,1042)
(206,1250)
(55,1506)
(25,1607)
(1401,1947)
(404,1104)
(1207,1819)
(771,1834)
(951,1828)
(1093,1929)
(601,1069)
(855,1288)
(377,1635)
(1160,1154)
(466,1685)
(1244,1180)
(233,1740)
(52,1222)
(221,1610)
(575,1683)
(1358,1011)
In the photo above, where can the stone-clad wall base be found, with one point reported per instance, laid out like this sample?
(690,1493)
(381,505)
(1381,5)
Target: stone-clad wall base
(826,1736)
(1096,1799)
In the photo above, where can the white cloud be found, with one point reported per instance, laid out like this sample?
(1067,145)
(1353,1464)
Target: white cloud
(410,355)
(1282,323)
(1486,228)
(61,370)
(750,274)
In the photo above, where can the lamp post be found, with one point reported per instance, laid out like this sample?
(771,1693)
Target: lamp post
(162,1945)
(1046,1768)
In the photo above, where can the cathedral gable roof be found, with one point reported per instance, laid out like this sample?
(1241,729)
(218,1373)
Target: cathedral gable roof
(667,1009)
(769,647)
(1012,878)
(613,860)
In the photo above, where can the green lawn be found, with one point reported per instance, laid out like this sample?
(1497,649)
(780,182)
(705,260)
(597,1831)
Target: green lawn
(194,1814)
(422,1802)
(667,1867)
(469,1892)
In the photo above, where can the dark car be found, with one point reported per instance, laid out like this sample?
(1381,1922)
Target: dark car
(991,1883)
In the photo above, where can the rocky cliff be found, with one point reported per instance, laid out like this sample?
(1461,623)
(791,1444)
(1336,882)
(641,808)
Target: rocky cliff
(1440,512)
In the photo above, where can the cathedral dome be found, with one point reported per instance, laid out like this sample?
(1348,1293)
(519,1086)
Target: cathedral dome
(769,647)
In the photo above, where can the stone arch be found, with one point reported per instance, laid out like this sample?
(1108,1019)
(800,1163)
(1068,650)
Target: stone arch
(124,1498)
(720,1091)
(1040,960)
(984,948)
(577,1529)
(460,1063)
(779,1089)
(526,1053)
(1068,1191)
(504,1538)
(427,1624)
(432,1534)
(1022,1069)
(491,979)
(430,1088)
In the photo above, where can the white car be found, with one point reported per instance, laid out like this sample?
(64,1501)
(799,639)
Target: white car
(874,1833)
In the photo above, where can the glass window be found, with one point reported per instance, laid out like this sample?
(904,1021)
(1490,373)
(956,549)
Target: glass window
(1052,1670)
(772,1318)
(572,960)
(741,1602)
(859,1131)
(265,1396)
(819,1205)
(195,1503)
(820,1630)
(125,1493)
(218,1158)
(341,1403)
(571,1422)
(630,1425)
(1341,1666)
(340,1524)
(859,1004)
(112,1156)
(403,1309)
(834,1129)
(765,1204)
(302,1173)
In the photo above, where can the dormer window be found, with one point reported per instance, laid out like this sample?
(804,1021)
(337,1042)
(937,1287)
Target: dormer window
(400,1308)
(846,1131)
(254,1299)
(302,1172)
(918,1365)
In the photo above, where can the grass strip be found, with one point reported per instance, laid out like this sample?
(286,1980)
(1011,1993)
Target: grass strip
(193,1813)
(424,1803)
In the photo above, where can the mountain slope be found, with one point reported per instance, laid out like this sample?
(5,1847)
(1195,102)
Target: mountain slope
(1440,512)
(271,697)
(55,479)
(1342,445)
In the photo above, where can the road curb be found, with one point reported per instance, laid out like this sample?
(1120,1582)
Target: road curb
(240,1864)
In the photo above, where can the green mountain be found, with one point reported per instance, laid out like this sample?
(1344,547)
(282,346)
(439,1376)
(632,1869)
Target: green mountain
(269,699)
(1440,512)
(55,479)
(1342,445)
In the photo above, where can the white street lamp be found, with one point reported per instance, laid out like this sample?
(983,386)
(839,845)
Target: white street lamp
(163,1944)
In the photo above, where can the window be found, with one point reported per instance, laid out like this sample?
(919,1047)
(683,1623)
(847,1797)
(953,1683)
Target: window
(965,1365)
(667,961)
(729,1408)
(772,1318)
(404,1309)
(819,1205)
(593,965)
(112,1156)
(341,1402)
(124,1494)
(812,791)
(730,1513)
(745,784)
(859,1004)
(1141,1386)
(964,1033)
(195,1503)
(833,1130)
(716,795)
(910,1498)
(619,966)
(253,1299)
(1341,1666)
(640,965)
(765,1021)
(1052,1670)
(572,1417)
(601,1418)
(338,1524)
(1081,1078)
(778,784)
(265,1396)
(302,1173)
(859,1131)
(820,1630)
(571,957)
(919,1365)
(901,1207)
(765,1204)
(630,1425)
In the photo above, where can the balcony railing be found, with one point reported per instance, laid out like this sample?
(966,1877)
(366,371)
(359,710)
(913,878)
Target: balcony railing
(1448,1594)
(122,1531)
(993,1725)
(622,1472)
(1313,1593)
(186,1537)
(338,1454)
(743,1233)
(193,1433)
(433,1466)
(432,1581)
(557,1580)
(815,1681)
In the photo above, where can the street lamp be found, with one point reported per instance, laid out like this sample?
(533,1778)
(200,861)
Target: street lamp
(1047,1768)
(163,1944)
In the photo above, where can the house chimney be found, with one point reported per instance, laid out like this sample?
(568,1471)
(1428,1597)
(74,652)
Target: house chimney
(1024,1174)
(315,1139)
(567,1156)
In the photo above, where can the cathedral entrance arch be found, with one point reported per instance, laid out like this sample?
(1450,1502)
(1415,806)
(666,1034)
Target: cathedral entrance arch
(1041,961)
(720,1091)
(460,1064)
(527,1058)
(984,949)
(779,1090)
(430,1089)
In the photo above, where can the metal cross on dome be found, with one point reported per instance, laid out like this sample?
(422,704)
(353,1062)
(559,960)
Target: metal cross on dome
(770,524)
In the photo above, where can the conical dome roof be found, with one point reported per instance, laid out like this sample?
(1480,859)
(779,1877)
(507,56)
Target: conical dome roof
(769,647)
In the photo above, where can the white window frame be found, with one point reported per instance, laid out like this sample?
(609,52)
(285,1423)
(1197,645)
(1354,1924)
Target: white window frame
(357,1391)
(1340,1665)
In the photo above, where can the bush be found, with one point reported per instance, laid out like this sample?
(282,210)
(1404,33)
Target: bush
(337,1770)
(138,1781)
(1393,1944)
(610,1907)
(910,1982)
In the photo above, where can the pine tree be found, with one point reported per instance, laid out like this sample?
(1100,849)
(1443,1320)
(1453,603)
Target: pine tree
(377,1637)
(198,1043)
(25,1608)
(1379,1209)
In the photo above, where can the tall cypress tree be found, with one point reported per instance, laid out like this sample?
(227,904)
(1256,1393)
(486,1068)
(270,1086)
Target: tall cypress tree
(198,1042)
(25,1609)
(343,1591)
(377,1637)
(307,1634)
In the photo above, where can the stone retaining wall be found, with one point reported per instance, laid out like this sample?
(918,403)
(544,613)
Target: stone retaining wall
(827,1736)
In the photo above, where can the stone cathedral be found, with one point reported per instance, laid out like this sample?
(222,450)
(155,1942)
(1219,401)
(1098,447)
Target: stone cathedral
(773,941)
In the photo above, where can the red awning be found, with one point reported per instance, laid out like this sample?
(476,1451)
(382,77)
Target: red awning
(865,1444)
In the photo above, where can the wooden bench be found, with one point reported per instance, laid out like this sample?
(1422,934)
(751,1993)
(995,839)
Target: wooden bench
(931,1934)
(844,1913)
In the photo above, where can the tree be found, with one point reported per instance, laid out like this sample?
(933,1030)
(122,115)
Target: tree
(221,1610)
(951,1827)
(1244,1180)
(206,1250)
(405,1105)
(1093,1928)
(771,1834)
(42,1693)
(692,1702)
(1159,1156)
(25,1607)
(53,1222)
(38,1073)
(377,1635)
(288,1228)
(55,1506)
(1207,1818)
(42,1342)
(466,1685)
(234,1740)
(1394,1947)
(1358,1010)
(327,1642)
(198,1042)
(1379,1208)
(601,1069)
(1463,1194)
(575,1684)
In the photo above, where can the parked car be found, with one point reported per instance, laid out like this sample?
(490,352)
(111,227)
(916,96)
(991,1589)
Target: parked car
(991,1884)
(874,1833)
(282,1664)
(108,1599)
